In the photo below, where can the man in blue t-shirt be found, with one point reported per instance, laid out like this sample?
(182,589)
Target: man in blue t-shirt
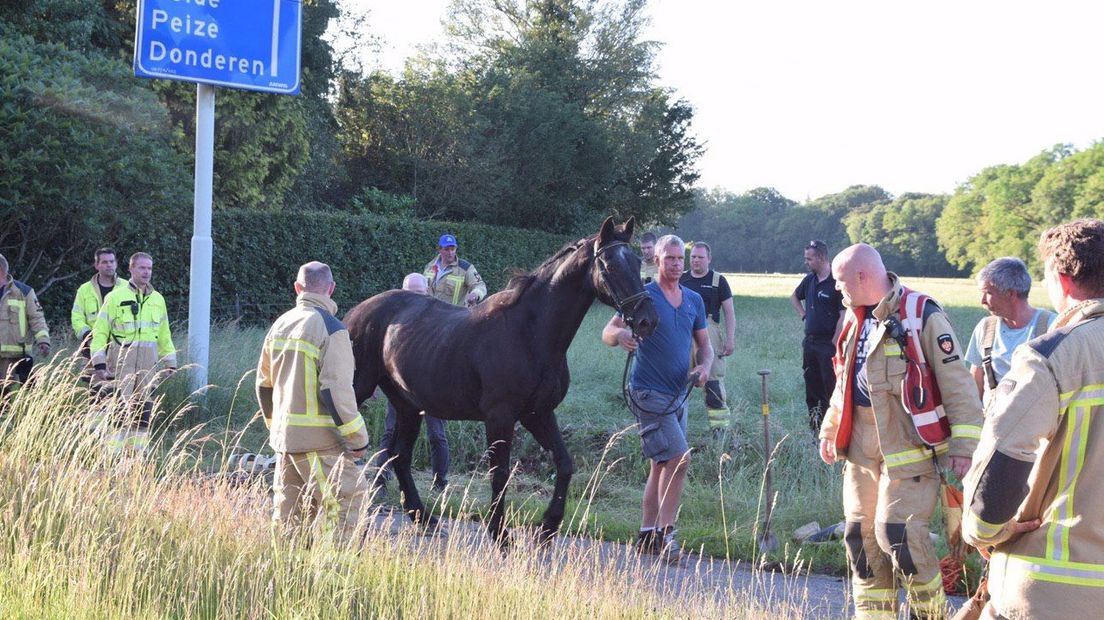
(658,388)
(1004,285)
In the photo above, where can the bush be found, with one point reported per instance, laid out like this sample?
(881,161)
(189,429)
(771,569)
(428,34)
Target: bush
(257,255)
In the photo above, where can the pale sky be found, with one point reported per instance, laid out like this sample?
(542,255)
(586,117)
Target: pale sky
(810,97)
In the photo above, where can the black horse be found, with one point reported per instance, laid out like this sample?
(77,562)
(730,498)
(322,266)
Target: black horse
(503,362)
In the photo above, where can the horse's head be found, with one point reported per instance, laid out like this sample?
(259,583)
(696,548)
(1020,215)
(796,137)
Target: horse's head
(616,276)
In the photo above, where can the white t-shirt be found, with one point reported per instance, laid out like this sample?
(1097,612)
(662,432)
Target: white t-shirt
(1004,344)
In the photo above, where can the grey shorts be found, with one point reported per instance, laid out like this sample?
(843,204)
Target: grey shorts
(662,436)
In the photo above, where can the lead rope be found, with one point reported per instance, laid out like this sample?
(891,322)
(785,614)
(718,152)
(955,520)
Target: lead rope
(630,402)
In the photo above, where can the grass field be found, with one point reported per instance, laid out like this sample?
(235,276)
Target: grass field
(68,513)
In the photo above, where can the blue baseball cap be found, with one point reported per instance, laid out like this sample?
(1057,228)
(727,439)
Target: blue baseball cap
(447,241)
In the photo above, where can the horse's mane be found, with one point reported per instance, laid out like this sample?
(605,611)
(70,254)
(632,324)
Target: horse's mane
(521,281)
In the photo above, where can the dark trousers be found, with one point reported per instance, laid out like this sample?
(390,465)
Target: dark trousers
(820,379)
(438,445)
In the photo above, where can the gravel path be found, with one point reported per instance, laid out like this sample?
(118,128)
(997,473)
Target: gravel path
(811,595)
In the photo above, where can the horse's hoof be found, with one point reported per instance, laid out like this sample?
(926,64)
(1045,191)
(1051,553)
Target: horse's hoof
(503,540)
(546,538)
(434,527)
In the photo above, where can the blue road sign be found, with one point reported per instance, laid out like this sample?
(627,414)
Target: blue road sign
(248,44)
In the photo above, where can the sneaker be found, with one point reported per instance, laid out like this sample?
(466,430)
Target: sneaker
(648,542)
(669,547)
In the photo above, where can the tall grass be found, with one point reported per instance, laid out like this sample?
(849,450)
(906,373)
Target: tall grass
(722,500)
(91,534)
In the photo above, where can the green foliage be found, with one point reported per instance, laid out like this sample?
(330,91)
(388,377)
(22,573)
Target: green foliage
(257,254)
(80,25)
(1002,210)
(540,114)
(372,200)
(87,160)
(903,231)
(762,231)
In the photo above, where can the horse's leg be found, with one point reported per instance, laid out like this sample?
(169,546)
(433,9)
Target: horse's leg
(546,431)
(366,378)
(500,435)
(407,425)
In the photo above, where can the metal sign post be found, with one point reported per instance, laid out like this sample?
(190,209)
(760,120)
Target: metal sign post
(248,45)
(199,300)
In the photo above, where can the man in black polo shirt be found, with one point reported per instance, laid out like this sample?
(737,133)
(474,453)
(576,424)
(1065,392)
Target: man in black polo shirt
(714,291)
(822,313)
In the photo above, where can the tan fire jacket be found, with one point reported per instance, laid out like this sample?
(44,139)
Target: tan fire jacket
(22,323)
(454,282)
(305,381)
(1041,457)
(905,455)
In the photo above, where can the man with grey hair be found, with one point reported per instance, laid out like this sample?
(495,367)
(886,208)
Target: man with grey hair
(658,390)
(1004,285)
(435,427)
(305,389)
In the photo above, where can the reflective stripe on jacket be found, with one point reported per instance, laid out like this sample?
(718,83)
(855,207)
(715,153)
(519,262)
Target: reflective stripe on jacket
(86,306)
(136,320)
(453,283)
(904,453)
(305,381)
(22,323)
(1040,457)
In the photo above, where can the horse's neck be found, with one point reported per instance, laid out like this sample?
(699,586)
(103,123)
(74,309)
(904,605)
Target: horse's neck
(562,308)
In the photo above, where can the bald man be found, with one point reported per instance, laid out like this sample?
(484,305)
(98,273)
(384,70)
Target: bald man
(890,479)
(435,427)
(305,389)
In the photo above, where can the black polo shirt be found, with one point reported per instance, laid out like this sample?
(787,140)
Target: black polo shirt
(713,296)
(823,304)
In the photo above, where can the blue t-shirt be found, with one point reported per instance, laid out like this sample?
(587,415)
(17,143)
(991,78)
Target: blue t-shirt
(663,359)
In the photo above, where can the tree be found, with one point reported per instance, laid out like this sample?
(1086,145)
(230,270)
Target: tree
(539,113)
(87,160)
(903,232)
(993,213)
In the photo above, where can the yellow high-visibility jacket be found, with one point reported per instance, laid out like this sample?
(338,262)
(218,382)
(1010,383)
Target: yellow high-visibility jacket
(22,323)
(1040,457)
(305,381)
(904,453)
(452,283)
(138,322)
(86,306)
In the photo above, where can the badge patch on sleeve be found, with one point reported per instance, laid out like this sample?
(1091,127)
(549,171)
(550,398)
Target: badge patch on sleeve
(946,343)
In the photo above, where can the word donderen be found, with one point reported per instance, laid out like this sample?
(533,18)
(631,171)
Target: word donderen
(208,59)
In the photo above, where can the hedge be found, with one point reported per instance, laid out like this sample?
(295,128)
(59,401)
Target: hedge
(257,255)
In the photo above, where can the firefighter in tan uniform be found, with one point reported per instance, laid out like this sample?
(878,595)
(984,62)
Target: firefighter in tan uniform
(22,329)
(305,389)
(890,481)
(134,318)
(453,279)
(1035,496)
